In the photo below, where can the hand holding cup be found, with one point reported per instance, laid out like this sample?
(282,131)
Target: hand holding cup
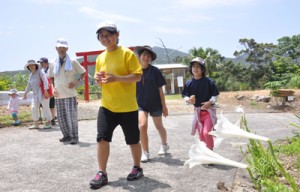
(100,75)
(192,99)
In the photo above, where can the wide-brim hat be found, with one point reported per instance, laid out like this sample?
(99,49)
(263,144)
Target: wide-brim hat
(13,91)
(140,49)
(198,60)
(31,62)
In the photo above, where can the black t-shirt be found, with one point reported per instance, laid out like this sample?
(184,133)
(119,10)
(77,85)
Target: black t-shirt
(203,89)
(147,90)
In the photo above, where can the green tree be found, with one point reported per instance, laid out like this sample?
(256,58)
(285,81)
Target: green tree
(289,47)
(20,81)
(212,58)
(259,57)
(17,81)
(4,83)
(294,83)
(232,76)
(257,53)
(284,68)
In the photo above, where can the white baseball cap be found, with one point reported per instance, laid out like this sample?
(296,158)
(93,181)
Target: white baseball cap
(108,25)
(62,43)
(198,60)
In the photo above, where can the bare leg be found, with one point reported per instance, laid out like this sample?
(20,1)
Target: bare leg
(102,154)
(143,125)
(52,112)
(161,129)
(136,152)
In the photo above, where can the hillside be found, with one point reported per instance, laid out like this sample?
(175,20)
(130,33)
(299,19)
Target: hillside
(161,59)
(13,72)
(162,56)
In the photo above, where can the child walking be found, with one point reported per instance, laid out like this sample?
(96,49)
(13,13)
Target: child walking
(117,71)
(151,101)
(201,92)
(13,106)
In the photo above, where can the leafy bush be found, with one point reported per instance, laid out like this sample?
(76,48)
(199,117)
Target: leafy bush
(4,85)
(18,81)
(274,85)
(294,82)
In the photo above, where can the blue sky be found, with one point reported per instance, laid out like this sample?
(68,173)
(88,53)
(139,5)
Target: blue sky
(29,28)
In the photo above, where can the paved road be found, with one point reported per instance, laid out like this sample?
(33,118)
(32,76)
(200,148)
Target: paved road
(34,160)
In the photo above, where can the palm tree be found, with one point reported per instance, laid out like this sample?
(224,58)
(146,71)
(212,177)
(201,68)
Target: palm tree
(212,58)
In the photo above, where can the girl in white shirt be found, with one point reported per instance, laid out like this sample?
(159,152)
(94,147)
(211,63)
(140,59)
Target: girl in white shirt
(13,106)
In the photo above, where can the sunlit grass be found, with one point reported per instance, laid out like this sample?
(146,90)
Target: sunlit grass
(292,147)
(7,120)
(264,167)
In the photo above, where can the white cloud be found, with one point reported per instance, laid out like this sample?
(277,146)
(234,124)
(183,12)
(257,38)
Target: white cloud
(209,3)
(101,15)
(65,2)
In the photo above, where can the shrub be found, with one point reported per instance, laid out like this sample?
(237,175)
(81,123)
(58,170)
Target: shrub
(294,82)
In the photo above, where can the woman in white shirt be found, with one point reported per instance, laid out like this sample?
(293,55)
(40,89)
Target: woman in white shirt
(34,81)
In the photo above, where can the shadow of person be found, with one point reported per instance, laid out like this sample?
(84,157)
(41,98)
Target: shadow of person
(143,184)
(85,144)
(217,166)
(49,130)
(80,143)
(167,159)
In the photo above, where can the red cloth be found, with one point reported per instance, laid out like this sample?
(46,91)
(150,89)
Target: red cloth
(50,88)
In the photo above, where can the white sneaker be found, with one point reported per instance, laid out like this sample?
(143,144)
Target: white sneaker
(163,149)
(33,127)
(145,157)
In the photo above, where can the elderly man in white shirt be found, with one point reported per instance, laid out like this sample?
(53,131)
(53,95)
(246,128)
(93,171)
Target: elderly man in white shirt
(64,71)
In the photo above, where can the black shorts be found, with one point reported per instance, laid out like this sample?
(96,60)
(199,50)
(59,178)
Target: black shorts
(107,121)
(155,113)
(52,103)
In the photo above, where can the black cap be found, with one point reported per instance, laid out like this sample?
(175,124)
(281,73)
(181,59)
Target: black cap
(43,60)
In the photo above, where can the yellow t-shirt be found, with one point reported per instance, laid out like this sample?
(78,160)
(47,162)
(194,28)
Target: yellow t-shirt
(119,96)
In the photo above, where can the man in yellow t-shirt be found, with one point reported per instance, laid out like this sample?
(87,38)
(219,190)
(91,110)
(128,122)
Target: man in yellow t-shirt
(117,71)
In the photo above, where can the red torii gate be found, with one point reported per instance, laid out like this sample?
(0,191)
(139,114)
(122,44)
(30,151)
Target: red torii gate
(85,63)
